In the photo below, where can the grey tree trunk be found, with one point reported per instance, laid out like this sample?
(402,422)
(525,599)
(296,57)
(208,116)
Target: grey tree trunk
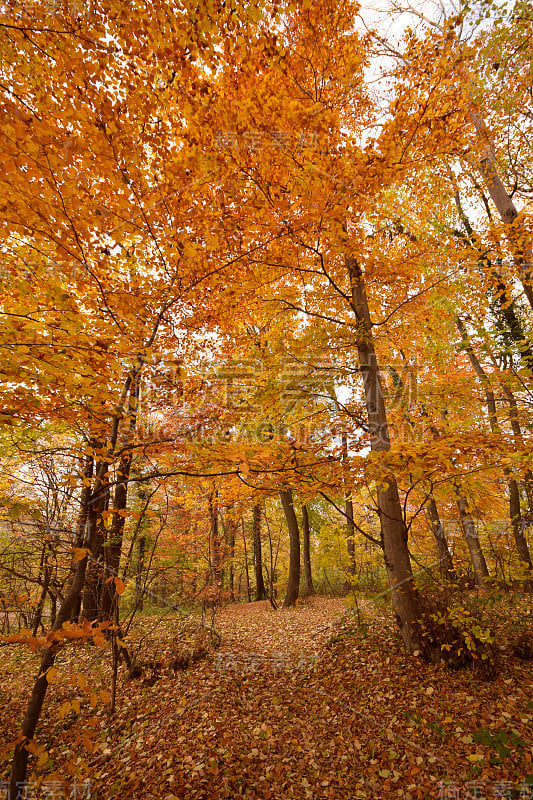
(309,588)
(230,539)
(505,307)
(445,557)
(348,510)
(404,596)
(481,572)
(293,583)
(517,432)
(517,525)
(260,591)
(518,236)
(246,569)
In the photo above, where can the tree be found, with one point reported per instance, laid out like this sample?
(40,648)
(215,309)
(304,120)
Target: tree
(293,583)
(309,589)
(260,591)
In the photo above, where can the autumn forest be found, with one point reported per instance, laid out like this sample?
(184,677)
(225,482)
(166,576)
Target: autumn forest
(266,325)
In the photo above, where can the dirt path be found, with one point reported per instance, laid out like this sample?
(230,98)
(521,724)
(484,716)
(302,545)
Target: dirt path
(264,718)
(256,637)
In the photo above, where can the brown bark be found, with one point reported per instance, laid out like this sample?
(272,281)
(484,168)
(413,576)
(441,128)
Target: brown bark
(45,575)
(293,583)
(113,547)
(260,591)
(404,596)
(93,578)
(96,503)
(108,605)
(445,557)
(87,475)
(309,588)
(35,703)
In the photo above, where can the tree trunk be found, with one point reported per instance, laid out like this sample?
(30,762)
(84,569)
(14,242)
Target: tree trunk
(260,591)
(45,574)
(348,510)
(93,578)
(505,307)
(517,433)
(445,557)
(231,550)
(517,525)
(35,704)
(309,588)
(293,583)
(518,235)
(214,547)
(246,570)
(514,494)
(87,475)
(113,545)
(90,541)
(272,595)
(404,595)
(481,572)
(139,572)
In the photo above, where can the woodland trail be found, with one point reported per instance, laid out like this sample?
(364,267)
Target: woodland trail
(255,636)
(310,702)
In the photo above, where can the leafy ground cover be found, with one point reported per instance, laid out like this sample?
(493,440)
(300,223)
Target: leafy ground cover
(318,701)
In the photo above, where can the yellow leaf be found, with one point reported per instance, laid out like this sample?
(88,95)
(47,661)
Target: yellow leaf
(76,705)
(82,681)
(51,675)
(64,709)
(105,697)
(43,759)
(120,586)
(93,699)
(79,553)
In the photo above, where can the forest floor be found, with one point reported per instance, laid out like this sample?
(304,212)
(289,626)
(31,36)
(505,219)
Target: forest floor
(312,702)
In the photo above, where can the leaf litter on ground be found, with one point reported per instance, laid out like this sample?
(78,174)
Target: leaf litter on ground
(297,703)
